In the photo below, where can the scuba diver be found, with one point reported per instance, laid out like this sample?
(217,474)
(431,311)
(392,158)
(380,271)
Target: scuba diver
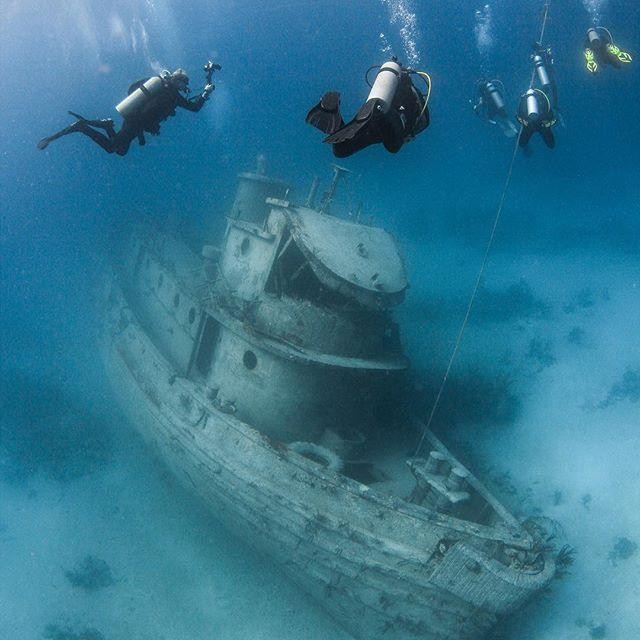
(394,113)
(149,102)
(489,105)
(538,106)
(599,49)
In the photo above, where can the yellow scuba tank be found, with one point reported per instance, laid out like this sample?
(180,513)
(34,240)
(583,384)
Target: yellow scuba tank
(138,98)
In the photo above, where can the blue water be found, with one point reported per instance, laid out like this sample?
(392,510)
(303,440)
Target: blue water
(556,322)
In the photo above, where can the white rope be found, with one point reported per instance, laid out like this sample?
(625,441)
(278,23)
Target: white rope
(483,265)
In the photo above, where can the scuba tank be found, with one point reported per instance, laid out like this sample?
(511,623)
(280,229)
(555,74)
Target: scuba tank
(386,84)
(540,62)
(595,41)
(493,93)
(532,105)
(138,98)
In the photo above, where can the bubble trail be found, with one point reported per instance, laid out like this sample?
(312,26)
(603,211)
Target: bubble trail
(402,14)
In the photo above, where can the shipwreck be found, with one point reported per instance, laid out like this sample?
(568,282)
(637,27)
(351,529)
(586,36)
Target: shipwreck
(263,372)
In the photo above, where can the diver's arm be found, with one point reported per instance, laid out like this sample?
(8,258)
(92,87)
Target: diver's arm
(194,104)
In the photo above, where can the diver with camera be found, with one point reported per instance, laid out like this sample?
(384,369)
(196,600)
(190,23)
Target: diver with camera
(149,102)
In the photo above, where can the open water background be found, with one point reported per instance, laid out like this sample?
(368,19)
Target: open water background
(544,401)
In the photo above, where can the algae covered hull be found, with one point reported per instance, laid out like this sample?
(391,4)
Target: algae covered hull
(264,373)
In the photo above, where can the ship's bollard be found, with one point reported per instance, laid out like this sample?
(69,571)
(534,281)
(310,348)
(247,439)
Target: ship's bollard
(436,463)
(457,480)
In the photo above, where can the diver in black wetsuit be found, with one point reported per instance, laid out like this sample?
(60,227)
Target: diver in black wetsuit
(149,102)
(489,105)
(394,113)
(600,49)
(537,107)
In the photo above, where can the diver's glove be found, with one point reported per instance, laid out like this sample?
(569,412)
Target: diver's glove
(616,51)
(590,60)
(207,91)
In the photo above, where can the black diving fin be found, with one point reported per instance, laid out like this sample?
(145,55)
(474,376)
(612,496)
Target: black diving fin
(326,114)
(363,119)
(72,128)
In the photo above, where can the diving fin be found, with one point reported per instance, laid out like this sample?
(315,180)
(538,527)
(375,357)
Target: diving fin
(508,128)
(72,128)
(617,52)
(76,115)
(590,60)
(363,118)
(326,114)
(624,56)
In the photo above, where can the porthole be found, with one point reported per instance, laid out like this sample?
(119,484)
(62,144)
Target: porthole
(244,246)
(249,359)
(160,280)
(176,300)
(192,315)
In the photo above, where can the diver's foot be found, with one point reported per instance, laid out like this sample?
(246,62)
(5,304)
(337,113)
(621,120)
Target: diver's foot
(44,143)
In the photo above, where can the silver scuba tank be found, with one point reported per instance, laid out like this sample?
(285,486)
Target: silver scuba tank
(494,94)
(533,107)
(386,84)
(541,70)
(137,99)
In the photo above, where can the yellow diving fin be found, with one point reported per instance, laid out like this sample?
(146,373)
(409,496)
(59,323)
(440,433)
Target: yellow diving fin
(590,60)
(623,56)
(616,51)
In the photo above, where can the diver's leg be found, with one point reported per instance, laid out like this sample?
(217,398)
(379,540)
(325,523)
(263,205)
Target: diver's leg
(99,138)
(508,128)
(130,130)
(525,135)
(364,138)
(102,123)
(547,136)
(393,134)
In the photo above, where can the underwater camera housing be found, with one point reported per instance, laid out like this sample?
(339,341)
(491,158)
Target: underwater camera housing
(209,68)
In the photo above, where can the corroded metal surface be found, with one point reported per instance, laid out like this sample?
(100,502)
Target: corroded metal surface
(361,256)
